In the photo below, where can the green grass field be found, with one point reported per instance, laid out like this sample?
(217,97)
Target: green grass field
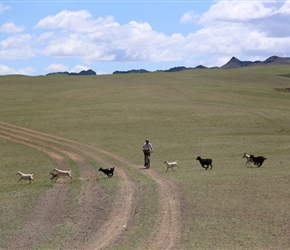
(215,113)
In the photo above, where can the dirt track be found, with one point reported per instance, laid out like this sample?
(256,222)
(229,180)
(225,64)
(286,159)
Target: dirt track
(90,231)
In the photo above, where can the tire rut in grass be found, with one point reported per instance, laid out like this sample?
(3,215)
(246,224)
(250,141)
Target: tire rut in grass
(44,217)
(90,197)
(166,234)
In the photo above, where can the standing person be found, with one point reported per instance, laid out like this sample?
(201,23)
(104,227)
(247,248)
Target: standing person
(147,149)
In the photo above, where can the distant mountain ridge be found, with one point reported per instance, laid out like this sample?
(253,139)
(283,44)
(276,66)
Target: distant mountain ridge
(174,69)
(82,73)
(233,63)
(274,60)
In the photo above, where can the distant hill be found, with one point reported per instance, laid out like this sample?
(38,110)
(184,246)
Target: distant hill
(277,60)
(231,64)
(174,69)
(274,60)
(82,73)
(132,71)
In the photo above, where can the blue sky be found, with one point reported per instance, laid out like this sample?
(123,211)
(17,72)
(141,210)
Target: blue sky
(39,37)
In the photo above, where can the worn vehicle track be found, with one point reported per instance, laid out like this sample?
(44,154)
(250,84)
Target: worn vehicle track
(90,233)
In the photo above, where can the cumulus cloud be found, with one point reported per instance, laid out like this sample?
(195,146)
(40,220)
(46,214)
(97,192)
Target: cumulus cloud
(3,8)
(189,17)
(248,28)
(103,39)
(237,11)
(17,47)
(78,21)
(268,18)
(228,28)
(56,67)
(5,70)
(285,8)
(11,28)
(79,68)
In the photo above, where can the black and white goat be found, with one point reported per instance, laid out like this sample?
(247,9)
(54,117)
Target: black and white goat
(205,163)
(53,175)
(109,171)
(249,159)
(258,160)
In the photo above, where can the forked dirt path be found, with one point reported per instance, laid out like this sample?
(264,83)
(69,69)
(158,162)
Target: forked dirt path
(89,226)
(44,216)
(167,234)
(100,233)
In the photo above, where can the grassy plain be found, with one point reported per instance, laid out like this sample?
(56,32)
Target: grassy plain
(212,113)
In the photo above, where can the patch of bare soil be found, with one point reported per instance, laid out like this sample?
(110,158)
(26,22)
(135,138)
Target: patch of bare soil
(44,216)
(94,226)
(167,232)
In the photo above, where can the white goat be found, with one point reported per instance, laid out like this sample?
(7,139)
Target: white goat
(63,172)
(249,159)
(171,165)
(25,177)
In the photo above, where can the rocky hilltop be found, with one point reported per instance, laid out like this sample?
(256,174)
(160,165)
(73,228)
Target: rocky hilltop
(82,73)
(274,60)
(231,64)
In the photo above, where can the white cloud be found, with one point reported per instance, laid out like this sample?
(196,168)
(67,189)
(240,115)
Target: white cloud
(11,28)
(237,11)
(45,36)
(65,19)
(78,21)
(5,70)
(189,17)
(17,47)
(103,39)
(3,8)
(285,9)
(17,41)
(79,68)
(54,67)
(229,28)
(269,18)
(245,28)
